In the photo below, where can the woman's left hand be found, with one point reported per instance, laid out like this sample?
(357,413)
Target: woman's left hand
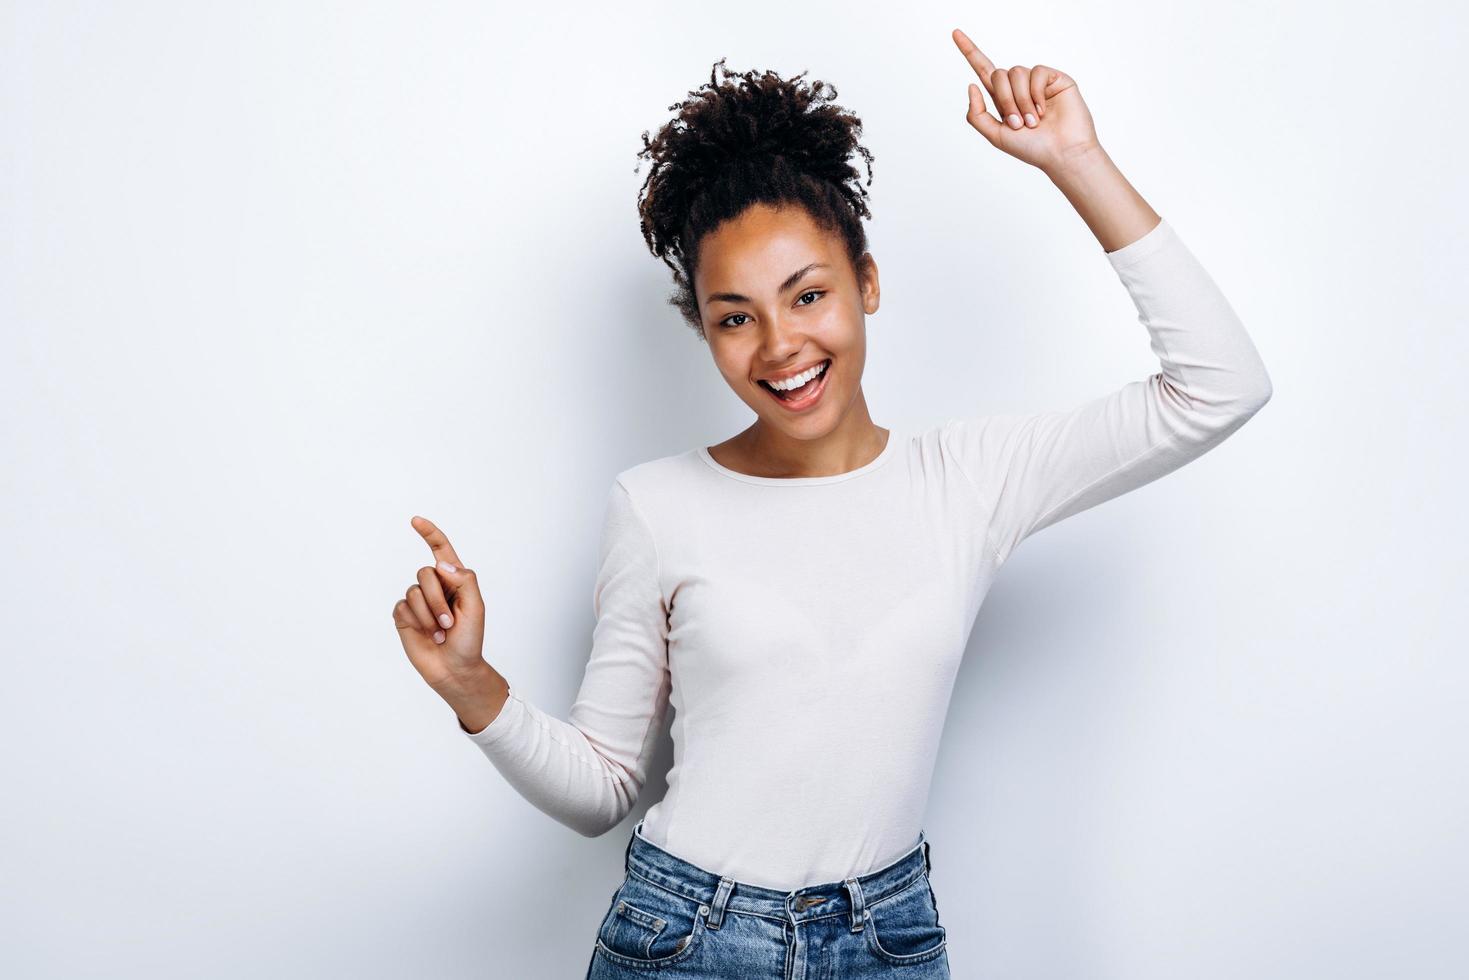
(1062,129)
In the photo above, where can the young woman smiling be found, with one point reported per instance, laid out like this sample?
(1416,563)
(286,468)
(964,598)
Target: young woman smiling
(802,592)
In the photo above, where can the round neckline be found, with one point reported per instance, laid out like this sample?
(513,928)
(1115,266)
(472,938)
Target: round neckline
(803,481)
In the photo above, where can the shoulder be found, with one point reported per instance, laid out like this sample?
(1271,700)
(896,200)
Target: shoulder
(655,483)
(653,472)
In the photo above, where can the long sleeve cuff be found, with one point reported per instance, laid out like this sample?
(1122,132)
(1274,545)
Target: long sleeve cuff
(1161,236)
(511,717)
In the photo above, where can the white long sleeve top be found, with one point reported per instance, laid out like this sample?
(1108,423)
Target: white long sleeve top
(809,699)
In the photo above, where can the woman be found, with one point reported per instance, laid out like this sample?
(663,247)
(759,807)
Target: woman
(802,593)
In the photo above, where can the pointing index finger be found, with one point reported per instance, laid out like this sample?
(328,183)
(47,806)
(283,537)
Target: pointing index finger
(982,65)
(437,542)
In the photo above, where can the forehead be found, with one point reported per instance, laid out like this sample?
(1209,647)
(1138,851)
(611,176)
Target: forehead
(762,246)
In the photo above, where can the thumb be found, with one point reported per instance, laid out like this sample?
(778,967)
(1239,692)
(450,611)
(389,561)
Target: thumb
(461,588)
(989,127)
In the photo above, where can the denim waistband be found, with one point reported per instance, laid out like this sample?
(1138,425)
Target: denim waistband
(722,893)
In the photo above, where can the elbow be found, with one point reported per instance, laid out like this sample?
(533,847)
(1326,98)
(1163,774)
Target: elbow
(590,830)
(1247,394)
(602,827)
(1259,393)
(1226,413)
(593,825)
(604,818)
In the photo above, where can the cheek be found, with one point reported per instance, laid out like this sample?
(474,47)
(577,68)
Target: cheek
(732,367)
(841,337)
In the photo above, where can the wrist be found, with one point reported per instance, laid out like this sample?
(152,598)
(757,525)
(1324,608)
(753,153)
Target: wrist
(473,685)
(1078,164)
(1111,207)
(477,699)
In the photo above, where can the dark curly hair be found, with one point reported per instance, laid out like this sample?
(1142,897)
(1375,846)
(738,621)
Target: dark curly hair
(757,139)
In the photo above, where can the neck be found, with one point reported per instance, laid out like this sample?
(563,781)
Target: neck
(854,442)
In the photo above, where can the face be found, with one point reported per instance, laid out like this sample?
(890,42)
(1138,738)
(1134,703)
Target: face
(777,295)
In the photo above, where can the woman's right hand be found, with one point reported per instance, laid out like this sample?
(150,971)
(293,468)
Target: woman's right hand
(441,620)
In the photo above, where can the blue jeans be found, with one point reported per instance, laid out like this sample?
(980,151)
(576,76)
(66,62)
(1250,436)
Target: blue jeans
(674,919)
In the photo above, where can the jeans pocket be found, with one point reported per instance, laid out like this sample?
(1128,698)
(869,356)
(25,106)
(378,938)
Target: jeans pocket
(904,927)
(650,926)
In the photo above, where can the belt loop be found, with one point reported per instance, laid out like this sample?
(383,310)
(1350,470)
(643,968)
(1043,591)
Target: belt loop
(721,896)
(628,850)
(859,903)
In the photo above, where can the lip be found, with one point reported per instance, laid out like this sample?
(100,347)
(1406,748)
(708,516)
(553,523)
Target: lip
(810,400)
(795,371)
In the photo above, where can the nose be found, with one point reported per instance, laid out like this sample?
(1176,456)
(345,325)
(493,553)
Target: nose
(780,344)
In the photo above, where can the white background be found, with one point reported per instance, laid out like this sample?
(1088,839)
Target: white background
(277,277)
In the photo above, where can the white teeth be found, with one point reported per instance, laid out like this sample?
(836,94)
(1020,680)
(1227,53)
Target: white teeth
(799,379)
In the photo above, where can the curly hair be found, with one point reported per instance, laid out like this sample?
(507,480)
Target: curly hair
(752,138)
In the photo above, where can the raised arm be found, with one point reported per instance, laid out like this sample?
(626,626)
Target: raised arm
(586,772)
(1031,471)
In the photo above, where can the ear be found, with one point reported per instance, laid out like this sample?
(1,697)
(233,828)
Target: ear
(867,282)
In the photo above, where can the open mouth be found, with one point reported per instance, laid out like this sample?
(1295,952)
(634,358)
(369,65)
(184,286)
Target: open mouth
(806,395)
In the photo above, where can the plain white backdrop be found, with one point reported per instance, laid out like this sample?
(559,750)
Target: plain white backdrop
(276,277)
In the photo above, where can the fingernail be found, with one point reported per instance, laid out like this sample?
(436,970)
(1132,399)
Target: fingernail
(1013,120)
(438,636)
(445,620)
(1029,119)
(447,567)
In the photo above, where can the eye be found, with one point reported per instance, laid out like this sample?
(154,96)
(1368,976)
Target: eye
(818,293)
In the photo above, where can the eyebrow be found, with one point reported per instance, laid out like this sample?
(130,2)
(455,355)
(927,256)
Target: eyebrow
(790,281)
